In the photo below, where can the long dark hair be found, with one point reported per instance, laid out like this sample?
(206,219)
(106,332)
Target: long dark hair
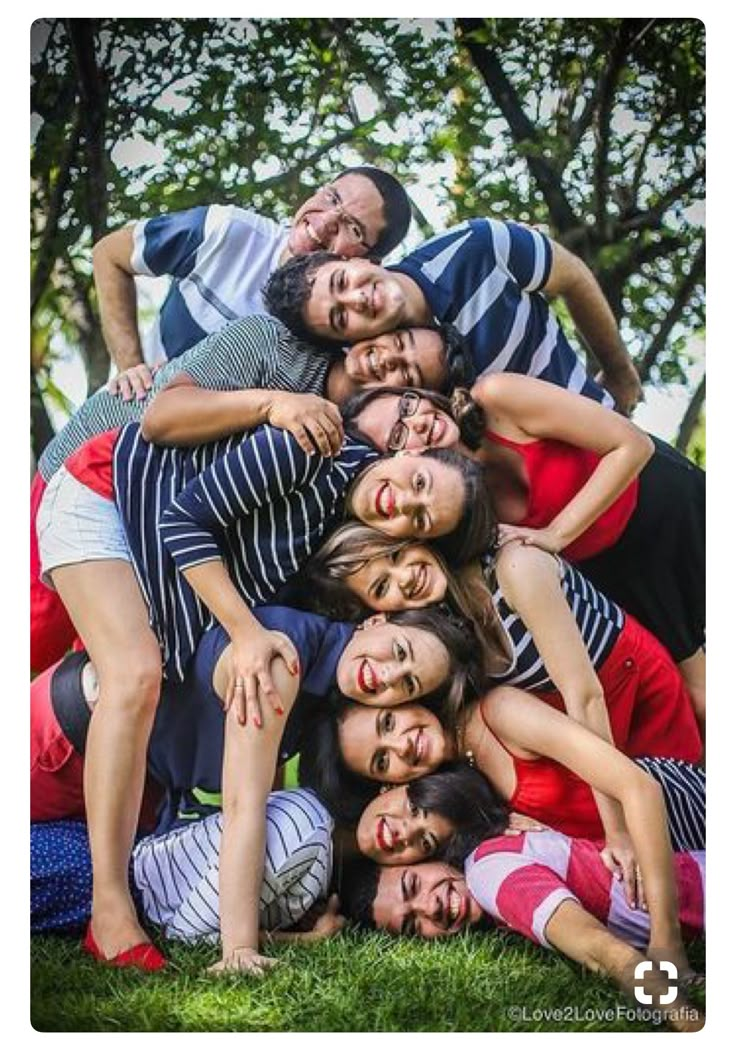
(460,407)
(322,768)
(463,796)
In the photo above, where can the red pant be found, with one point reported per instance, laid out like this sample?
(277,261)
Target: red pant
(57,769)
(648,703)
(52,632)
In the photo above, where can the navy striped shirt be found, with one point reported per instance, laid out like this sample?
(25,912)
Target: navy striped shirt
(177,874)
(599,621)
(485,278)
(219,258)
(256,502)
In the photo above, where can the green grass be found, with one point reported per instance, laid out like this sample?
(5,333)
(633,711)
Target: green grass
(356,982)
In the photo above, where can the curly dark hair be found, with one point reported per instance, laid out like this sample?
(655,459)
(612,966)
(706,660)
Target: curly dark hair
(288,290)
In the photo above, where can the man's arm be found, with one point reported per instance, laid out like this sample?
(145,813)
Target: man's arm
(570,278)
(573,931)
(116,295)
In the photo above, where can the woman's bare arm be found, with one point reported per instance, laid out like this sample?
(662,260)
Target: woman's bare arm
(523,408)
(535,727)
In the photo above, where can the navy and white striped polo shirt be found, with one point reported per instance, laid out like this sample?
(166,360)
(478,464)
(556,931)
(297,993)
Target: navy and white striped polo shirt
(220,257)
(485,277)
(258,503)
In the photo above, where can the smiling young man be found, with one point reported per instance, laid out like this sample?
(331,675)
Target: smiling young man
(487,278)
(221,256)
(553,889)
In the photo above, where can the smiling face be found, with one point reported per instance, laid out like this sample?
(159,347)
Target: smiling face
(430,901)
(386,664)
(344,217)
(409,496)
(355,300)
(394,831)
(407,422)
(392,745)
(405,357)
(408,579)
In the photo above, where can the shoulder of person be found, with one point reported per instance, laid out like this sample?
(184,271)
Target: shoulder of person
(518,564)
(236,218)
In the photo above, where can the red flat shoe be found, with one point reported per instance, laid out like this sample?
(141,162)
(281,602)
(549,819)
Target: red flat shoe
(145,956)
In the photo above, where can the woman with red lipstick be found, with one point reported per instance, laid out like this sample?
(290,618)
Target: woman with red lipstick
(570,476)
(538,759)
(195,744)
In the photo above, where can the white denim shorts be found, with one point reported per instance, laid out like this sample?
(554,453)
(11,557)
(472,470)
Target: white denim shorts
(76,525)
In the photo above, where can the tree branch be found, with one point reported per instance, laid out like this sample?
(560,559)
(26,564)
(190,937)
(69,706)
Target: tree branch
(45,255)
(690,418)
(92,82)
(522,130)
(607,95)
(685,291)
(652,218)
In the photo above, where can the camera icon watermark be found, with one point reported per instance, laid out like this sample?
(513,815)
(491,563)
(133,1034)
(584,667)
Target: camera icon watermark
(649,967)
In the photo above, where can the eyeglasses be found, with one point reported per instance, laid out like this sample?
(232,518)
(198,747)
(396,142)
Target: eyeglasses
(353,227)
(399,434)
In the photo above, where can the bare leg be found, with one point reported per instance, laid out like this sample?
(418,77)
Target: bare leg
(693,671)
(105,604)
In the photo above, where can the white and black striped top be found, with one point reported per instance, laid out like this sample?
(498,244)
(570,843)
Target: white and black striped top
(257,352)
(177,874)
(256,502)
(598,618)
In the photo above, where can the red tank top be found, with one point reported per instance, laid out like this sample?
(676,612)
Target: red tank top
(550,793)
(555,473)
(91,463)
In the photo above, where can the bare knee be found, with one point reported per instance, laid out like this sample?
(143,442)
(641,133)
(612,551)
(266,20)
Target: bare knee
(134,688)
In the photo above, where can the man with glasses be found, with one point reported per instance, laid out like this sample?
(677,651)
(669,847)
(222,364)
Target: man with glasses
(220,257)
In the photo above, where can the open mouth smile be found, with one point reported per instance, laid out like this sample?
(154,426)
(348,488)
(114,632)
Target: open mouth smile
(385,502)
(367,680)
(385,838)
(419,584)
(418,748)
(455,906)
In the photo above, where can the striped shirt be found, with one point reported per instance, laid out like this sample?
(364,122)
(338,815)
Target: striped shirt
(485,277)
(219,257)
(599,621)
(256,352)
(521,880)
(177,874)
(258,503)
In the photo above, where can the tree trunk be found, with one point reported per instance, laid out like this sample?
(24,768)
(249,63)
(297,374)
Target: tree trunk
(42,432)
(690,418)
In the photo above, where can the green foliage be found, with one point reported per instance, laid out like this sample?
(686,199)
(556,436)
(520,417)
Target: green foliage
(592,128)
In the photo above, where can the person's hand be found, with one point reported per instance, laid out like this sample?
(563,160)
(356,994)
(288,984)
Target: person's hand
(624,385)
(329,922)
(134,382)
(619,857)
(519,823)
(543,538)
(310,419)
(250,676)
(246,961)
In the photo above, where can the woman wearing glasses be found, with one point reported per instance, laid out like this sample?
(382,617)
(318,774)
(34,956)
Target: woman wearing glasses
(573,478)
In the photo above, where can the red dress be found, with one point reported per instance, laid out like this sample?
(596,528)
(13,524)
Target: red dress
(555,472)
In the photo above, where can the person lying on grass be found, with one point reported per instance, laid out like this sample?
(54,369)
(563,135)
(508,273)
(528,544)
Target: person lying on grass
(533,754)
(195,744)
(553,889)
(175,875)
